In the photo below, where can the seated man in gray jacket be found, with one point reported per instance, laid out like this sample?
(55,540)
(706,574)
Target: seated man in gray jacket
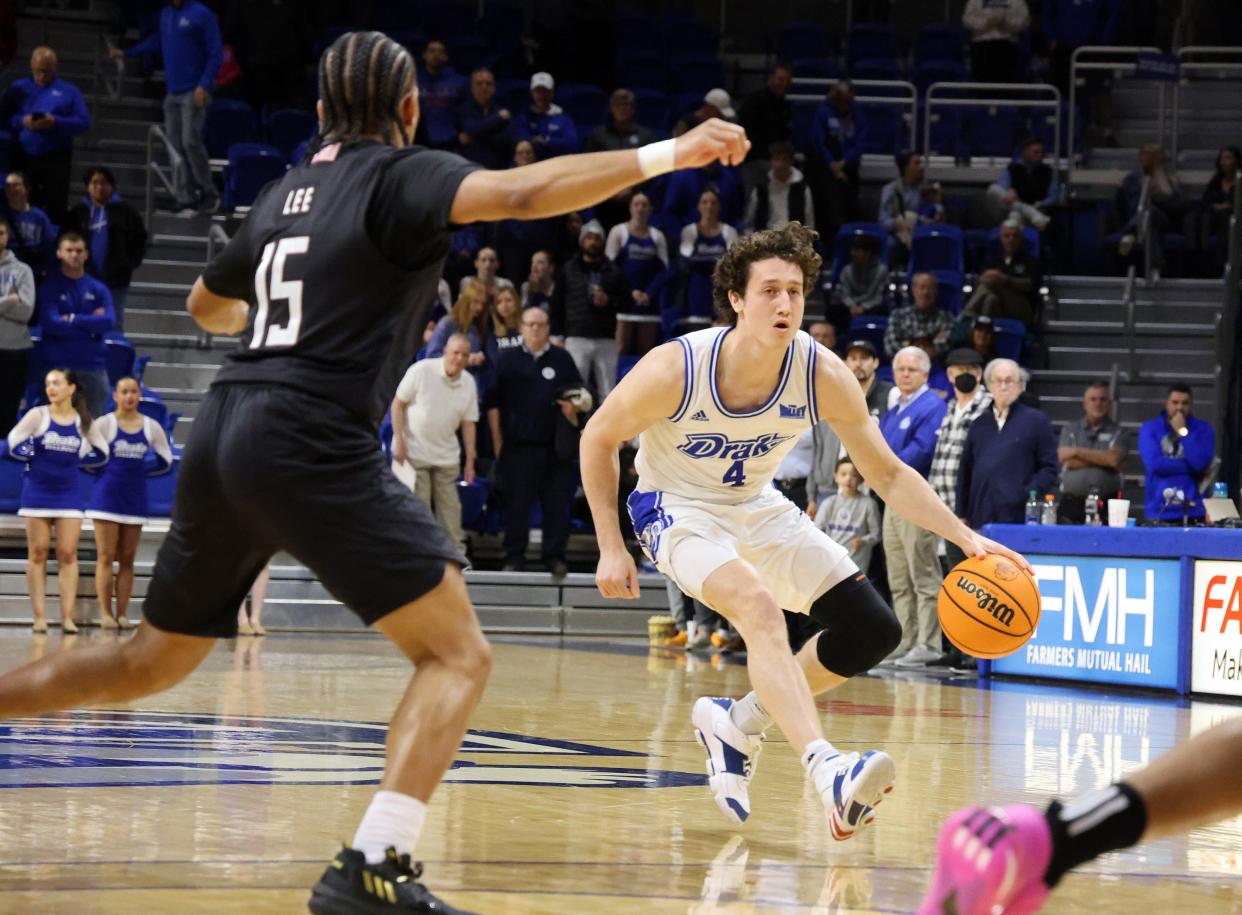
(17,301)
(863,282)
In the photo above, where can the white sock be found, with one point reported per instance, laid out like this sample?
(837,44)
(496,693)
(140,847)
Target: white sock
(816,752)
(393,820)
(749,715)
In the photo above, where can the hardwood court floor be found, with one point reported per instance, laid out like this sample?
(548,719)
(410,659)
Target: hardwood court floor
(579,791)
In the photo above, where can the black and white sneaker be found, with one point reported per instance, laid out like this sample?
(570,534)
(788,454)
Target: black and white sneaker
(350,886)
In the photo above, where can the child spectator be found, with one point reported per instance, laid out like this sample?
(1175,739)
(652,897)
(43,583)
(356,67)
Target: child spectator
(863,281)
(932,209)
(849,517)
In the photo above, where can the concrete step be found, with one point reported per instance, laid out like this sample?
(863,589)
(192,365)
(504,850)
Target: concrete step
(1110,330)
(183,350)
(168,271)
(180,376)
(143,320)
(1112,310)
(1147,362)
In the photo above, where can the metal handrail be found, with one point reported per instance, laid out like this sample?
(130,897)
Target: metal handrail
(1227,325)
(1129,64)
(1130,301)
(908,99)
(154,170)
(100,79)
(1114,381)
(1186,65)
(1142,226)
(982,100)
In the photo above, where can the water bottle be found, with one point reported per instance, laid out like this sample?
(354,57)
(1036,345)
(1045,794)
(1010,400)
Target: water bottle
(1092,508)
(1049,513)
(1220,491)
(1032,508)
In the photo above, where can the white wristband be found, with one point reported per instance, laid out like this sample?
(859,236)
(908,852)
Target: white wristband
(657,158)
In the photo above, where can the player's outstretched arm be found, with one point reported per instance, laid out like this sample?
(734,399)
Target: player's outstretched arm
(567,183)
(651,391)
(901,487)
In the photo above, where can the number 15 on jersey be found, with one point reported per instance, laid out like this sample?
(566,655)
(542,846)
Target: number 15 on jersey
(275,288)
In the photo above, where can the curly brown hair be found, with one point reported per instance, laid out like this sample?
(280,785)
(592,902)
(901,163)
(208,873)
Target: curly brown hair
(793,243)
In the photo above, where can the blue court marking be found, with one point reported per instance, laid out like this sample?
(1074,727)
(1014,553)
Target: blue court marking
(130,748)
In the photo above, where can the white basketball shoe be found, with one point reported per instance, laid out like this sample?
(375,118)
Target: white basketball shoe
(851,786)
(731,755)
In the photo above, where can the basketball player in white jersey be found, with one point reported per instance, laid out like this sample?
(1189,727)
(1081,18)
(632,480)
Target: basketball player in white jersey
(717,409)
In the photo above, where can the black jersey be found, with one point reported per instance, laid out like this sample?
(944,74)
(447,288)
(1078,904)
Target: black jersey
(338,259)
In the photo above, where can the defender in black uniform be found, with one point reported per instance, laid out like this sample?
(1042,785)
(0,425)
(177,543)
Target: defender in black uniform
(323,275)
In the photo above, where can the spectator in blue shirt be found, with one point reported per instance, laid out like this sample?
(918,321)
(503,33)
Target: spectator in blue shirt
(838,137)
(550,130)
(440,90)
(34,234)
(188,39)
(48,114)
(1010,450)
(1177,450)
(75,311)
(914,573)
(484,129)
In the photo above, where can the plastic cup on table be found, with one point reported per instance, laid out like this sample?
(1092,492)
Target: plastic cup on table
(1118,512)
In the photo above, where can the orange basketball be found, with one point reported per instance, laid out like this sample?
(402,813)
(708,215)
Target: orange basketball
(988,607)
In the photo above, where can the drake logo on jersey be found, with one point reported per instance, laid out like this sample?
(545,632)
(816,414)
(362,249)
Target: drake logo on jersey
(715,445)
(791,412)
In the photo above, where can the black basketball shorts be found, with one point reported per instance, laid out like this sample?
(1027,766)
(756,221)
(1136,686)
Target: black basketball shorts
(270,469)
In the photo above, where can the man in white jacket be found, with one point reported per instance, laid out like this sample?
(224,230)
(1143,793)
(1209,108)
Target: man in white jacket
(994,27)
(785,198)
(17,301)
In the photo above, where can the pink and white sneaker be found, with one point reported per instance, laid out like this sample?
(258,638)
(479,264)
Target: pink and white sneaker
(990,861)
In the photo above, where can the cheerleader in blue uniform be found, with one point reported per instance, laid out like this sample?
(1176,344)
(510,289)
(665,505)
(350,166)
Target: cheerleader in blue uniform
(703,243)
(55,441)
(641,251)
(118,503)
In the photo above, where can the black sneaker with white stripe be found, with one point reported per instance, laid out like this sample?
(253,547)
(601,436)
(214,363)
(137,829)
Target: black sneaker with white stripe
(350,886)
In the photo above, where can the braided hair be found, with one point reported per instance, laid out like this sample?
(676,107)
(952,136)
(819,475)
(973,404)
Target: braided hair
(363,76)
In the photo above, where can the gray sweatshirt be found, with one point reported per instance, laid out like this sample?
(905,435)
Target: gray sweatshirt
(15,277)
(844,519)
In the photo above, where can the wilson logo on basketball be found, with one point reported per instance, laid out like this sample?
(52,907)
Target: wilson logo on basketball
(986,601)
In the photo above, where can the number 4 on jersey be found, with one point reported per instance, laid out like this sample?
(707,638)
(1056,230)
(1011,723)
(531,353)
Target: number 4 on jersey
(736,474)
(274,256)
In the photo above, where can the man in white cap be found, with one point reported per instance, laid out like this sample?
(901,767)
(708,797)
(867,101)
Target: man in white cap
(589,289)
(549,129)
(716,104)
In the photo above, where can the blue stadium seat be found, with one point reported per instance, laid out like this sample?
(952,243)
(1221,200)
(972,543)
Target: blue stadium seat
(162,489)
(636,30)
(228,122)
(686,102)
(946,134)
(872,328)
(886,133)
(469,51)
(299,152)
(1043,125)
(473,497)
(939,41)
(697,74)
(939,71)
(803,121)
(624,364)
(815,68)
(996,131)
(444,17)
(937,247)
(151,405)
(412,41)
(871,40)
(687,36)
(586,104)
(288,128)
(651,109)
(845,238)
(949,294)
(800,39)
(874,68)
(119,355)
(503,24)
(513,94)
(11,485)
(251,166)
(1010,335)
(641,69)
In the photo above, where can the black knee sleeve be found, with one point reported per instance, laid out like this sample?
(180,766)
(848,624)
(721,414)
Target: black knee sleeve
(859,629)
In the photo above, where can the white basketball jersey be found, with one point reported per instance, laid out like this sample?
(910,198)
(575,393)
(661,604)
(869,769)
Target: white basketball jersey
(706,451)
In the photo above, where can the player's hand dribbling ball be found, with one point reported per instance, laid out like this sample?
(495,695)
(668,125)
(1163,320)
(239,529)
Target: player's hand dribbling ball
(988,607)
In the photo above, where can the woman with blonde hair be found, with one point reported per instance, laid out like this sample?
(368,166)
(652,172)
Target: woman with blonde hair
(1165,199)
(506,318)
(470,318)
